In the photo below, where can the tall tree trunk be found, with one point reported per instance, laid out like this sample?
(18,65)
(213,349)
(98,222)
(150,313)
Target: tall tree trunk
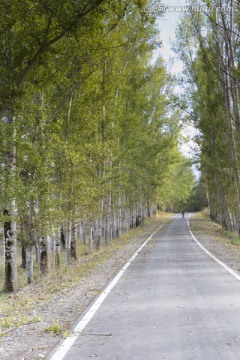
(57,247)
(119,215)
(74,241)
(90,241)
(10,225)
(62,238)
(23,251)
(10,236)
(96,235)
(82,233)
(68,238)
(29,264)
(48,249)
(45,255)
(37,251)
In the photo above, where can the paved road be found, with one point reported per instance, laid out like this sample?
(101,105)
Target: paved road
(174,302)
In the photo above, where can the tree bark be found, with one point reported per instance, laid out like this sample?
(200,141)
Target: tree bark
(82,233)
(10,225)
(62,238)
(57,248)
(68,237)
(90,241)
(10,236)
(23,264)
(29,264)
(45,255)
(74,241)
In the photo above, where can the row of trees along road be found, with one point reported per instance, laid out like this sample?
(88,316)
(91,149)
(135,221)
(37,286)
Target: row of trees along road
(87,134)
(208,43)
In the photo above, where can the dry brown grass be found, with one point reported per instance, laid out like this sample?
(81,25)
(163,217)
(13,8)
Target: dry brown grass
(200,223)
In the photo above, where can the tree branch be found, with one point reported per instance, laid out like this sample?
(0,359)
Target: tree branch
(44,48)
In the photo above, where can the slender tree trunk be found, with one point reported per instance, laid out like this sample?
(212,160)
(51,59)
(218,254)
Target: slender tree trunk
(107,221)
(148,208)
(10,235)
(45,255)
(74,241)
(68,242)
(3,247)
(63,238)
(10,225)
(23,251)
(57,247)
(48,249)
(119,215)
(96,235)
(82,233)
(29,264)
(54,249)
(37,251)
(90,241)
(114,225)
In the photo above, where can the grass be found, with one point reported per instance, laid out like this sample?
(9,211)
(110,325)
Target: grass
(201,223)
(55,328)
(21,308)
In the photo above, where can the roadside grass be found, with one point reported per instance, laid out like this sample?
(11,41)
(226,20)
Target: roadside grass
(164,216)
(23,307)
(200,223)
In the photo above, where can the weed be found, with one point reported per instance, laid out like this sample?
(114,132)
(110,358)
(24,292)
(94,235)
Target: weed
(7,322)
(35,320)
(55,328)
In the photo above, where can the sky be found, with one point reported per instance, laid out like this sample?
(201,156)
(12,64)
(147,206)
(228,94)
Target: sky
(167,25)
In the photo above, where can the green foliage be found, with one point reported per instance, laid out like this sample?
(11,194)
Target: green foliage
(94,129)
(175,190)
(198,198)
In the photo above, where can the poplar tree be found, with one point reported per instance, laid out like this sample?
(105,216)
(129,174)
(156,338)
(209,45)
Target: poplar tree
(211,67)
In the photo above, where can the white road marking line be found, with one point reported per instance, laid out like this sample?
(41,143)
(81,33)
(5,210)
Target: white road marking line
(232,272)
(66,345)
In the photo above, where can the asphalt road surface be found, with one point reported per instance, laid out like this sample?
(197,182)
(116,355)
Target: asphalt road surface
(173,302)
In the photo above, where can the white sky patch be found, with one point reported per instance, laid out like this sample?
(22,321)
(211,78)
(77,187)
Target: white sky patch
(167,25)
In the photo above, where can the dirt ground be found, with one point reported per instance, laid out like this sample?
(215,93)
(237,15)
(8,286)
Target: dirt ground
(31,341)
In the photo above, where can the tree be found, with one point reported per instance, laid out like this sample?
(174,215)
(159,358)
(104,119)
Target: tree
(211,69)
